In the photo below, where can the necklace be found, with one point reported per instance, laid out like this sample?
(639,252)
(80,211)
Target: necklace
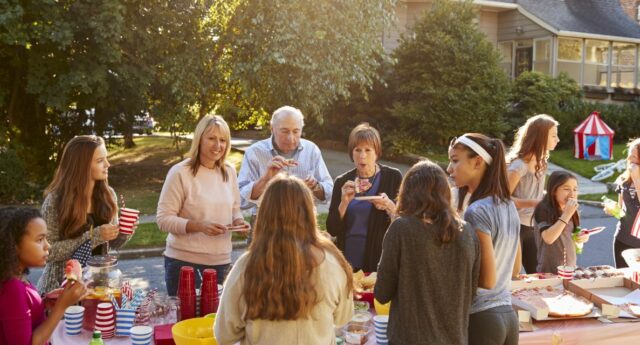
(375,171)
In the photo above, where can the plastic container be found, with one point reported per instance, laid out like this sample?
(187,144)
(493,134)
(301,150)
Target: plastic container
(197,331)
(356,334)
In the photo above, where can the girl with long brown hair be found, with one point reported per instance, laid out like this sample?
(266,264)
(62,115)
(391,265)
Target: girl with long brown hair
(429,265)
(293,284)
(477,167)
(526,172)
(77,200)
(556,217)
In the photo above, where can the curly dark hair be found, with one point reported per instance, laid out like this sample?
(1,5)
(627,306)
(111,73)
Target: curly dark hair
(13,226)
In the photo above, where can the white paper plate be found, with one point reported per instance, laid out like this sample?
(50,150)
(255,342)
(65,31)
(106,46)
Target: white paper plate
(369,197)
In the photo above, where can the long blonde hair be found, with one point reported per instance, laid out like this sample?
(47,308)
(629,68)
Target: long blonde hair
(633,144)
(71,187)
(531,141)
(279,282)
(203,126)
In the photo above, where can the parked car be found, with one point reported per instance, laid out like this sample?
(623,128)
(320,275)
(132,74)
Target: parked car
(143,124)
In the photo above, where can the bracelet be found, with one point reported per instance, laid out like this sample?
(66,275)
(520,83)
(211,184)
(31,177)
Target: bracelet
(560,219)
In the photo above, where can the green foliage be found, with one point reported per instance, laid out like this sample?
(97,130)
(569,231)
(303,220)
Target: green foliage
(304,52)
(12,172)
(537,93)
(448,78)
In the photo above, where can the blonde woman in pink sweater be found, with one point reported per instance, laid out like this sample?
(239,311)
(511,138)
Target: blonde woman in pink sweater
(200,199)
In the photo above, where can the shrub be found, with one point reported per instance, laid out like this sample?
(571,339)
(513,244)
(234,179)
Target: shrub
(536,93)
(13,187)
(448,78)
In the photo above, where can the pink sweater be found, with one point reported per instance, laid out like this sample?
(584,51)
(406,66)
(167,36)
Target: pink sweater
(204,197)
(21,311)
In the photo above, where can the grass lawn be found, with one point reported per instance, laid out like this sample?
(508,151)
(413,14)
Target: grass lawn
(565,159)
(137,174)
(149,236)
(598,197)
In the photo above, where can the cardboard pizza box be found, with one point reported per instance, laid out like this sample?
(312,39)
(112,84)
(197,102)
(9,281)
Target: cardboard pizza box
(608,293)
(542,313)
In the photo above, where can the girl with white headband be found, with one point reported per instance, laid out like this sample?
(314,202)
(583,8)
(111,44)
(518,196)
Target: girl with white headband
(477,167)
(526,172)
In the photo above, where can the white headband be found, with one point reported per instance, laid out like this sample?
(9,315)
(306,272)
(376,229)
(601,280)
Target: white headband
(476,148)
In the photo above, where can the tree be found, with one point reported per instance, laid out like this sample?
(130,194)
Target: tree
(304,53)
(448,79)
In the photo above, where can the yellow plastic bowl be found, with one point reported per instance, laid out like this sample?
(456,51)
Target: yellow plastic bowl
(381,309)
(198,331)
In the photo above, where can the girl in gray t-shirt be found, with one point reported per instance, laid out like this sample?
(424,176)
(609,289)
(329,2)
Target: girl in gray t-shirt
(527,168)
(477,167)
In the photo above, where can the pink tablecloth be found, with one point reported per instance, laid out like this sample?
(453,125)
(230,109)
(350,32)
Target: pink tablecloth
(583,332)
(59,337)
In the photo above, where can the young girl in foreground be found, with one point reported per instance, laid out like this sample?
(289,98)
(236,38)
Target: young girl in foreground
(477,167)
(24,245)
(555,218)
(527,169)
(293,285)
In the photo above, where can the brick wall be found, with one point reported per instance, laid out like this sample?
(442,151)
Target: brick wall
(631,8)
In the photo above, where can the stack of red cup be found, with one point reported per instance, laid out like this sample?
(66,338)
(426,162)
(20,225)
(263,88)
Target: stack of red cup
(187,293)
(209,299)
(128,218)
(106,320)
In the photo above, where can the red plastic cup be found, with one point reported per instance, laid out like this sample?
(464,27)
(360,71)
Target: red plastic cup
(128,218)
(186,282)
(209,281)
(187,293)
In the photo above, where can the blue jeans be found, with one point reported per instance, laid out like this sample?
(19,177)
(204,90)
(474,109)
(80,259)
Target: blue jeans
(172,273)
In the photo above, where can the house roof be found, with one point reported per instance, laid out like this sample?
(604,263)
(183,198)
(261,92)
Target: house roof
(594,17)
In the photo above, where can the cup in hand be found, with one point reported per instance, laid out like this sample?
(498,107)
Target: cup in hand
(380,325)
(128,218)
(73,319)
(141,335)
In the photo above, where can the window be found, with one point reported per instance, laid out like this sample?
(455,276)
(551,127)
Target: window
(542,56)
(623,64)
(570,57)
(596,62)
(506,48)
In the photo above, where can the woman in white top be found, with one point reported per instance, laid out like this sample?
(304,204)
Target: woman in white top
(293,285)
(200,199)
(527,169)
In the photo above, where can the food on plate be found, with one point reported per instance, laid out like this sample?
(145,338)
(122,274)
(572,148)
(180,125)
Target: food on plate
(559,302)
(592,272)
(568,305)
(73,270)
(536,276)
(362,185)
(364,283)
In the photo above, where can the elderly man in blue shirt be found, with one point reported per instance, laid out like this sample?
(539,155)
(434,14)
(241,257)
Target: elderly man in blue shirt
(285,151)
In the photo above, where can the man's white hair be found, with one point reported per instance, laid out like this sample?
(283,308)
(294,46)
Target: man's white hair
(286,111)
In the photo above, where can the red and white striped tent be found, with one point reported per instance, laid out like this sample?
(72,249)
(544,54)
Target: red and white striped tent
(593,139)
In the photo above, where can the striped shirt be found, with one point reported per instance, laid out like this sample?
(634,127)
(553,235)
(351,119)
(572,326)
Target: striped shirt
(257,158)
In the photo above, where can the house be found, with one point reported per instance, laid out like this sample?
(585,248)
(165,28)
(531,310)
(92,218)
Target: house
(594,41)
